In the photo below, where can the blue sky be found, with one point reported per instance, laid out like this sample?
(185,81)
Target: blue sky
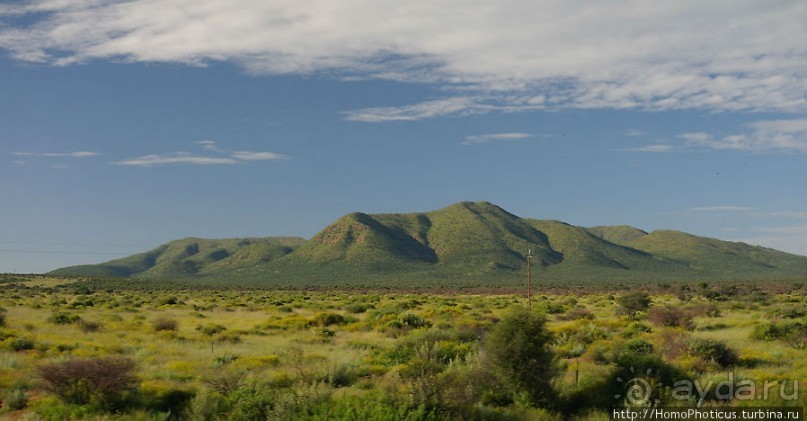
(122,128)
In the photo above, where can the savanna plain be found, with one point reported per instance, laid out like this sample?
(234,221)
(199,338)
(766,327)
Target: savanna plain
(84,348)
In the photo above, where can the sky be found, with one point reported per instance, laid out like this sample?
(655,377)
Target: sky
(128,124)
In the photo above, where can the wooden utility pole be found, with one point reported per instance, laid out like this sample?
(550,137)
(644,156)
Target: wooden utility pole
(529,279)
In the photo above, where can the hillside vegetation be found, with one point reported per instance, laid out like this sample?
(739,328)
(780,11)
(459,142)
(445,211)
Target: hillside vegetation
(465,244)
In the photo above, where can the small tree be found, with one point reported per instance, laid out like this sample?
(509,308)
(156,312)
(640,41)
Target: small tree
(633,303)
(210,331)
(517,348)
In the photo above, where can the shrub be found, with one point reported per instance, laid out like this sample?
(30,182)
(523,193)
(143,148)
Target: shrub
(63,318)
(88,326)
(639,346)
(670,317)
(712,350)
(15,400)
(518,349)
(21,344)
(633,303)
(101,381)
(2,317)
(327,319)
(164,324)
(577,313)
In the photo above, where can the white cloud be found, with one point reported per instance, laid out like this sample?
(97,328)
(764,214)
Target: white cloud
(494,137)
(786,135)
(722,208)
(176,158)
(225,157)
(718,55)
(634,132)
(256,156)
(80,154)
(657,148)
(427,109)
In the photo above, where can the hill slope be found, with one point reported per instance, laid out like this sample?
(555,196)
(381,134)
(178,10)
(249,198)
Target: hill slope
(465,243)
(191,256)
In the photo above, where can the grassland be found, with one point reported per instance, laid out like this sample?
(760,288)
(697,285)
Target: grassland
(227,353)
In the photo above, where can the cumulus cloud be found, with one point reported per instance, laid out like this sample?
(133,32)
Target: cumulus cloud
(222,157)
(623,54)
(785,135)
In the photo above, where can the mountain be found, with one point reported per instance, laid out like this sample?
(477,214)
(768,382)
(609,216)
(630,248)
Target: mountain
(191,256)
(463,244)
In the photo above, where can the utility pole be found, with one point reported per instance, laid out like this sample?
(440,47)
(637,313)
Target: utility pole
(529,279)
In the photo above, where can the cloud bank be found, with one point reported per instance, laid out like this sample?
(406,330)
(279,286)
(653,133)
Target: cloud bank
(722,55)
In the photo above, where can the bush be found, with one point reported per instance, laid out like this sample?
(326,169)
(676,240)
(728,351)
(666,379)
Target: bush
(15,400)
(100,381)
(63,318)
(2,317)
(328,319)
(518,349)
(712,350)
(670,317)
(577,313)
(633,303)
(88,326)
(164,324)
(21,344)
(639,346)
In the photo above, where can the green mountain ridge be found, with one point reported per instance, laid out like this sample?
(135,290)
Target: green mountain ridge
(465,243)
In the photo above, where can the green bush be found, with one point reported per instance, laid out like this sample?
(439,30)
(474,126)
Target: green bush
(517,348)
(712,350)
(639,346)
(633,303)
(15,400)
(21,344)
(64,318)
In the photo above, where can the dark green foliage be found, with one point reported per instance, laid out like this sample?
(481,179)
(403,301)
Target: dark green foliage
(22,344)
(639,346)
(63,318)
(173,401)
(517,348)
(793,333)
(15,399)
(100,381)
(712,350)
(2,317)
(633,303)
(210,329)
